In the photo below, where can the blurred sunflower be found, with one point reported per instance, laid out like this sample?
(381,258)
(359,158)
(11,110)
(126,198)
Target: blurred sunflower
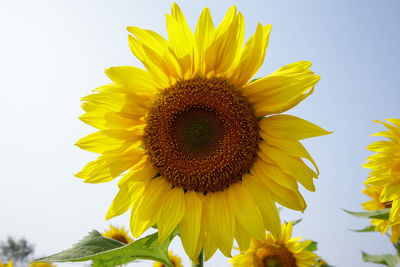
(9,264)
(42,264)
(281,251)
(375,204)
(176,261)
(385,165)
(196,140)
(119,234)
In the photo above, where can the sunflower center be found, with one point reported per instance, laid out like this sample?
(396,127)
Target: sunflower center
(197,131)
(120,238)
(202,135)
(275,255)
(272,262)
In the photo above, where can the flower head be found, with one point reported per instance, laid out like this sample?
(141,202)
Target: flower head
(281,251)
(176,261)
(9,264)
(385,165)
(119,234)
(375,204)
(199,146)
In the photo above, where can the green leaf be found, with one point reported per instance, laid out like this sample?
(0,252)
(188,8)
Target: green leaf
(385,259)
(105,252)
(377,214)
(369,228)
(313,246)
(296,221)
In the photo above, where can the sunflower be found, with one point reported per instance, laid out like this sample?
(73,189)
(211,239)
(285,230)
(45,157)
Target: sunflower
(281,251)
(385,165)
(9,264)
(375,204)
(119,234)
(176,261)
(199,146)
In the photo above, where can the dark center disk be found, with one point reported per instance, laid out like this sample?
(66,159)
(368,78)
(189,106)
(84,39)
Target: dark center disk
(197,131)
(272,262)
(276,256)
(120,238)
(202,135)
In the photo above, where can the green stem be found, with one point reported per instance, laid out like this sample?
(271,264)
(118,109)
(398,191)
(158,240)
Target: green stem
(397,246)
(201,263)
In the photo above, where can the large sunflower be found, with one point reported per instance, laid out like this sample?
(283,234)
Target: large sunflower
(198,144)
(281,251)
(375,204)
(385,165)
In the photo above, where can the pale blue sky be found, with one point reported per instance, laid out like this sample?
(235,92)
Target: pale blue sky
(52,53)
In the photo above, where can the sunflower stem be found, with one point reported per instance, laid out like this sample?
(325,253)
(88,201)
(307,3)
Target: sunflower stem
(201,263)
(397,246)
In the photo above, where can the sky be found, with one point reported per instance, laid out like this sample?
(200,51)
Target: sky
(52,53)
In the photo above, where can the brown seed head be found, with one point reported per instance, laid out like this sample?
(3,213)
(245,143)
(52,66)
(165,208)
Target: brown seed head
(202,135)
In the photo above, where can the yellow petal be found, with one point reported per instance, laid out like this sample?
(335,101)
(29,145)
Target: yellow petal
(144,214)
(394,213)
(154,63)
(394,121)
(290,127)
(108,101)
(182,42)
(267,206)
(290,96)
(106,140)
(252,56)
(388,134)
(221,230)
(204,35)
(390,127)
(288,198)
(154,52)
(190,225)
(171,213)
(246,210)
(243,238)
(295,167)
(222,54)
(243,260)
(128,193)
(286,232)
(391,191)
(274,83)
(395,235)
(103,119)
(134,78)
(108,167)
(210,247)
(272,172)
(291,147)
(144,168)
(282,89)
(383,146)
(150,38)
(126,104)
